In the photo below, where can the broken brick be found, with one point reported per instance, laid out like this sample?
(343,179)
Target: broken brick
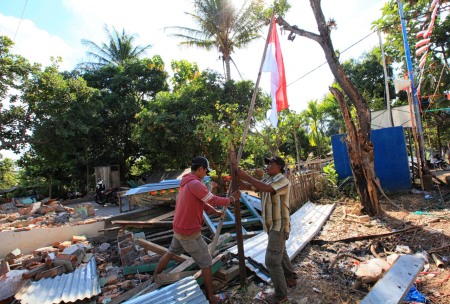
(53,272)
(78,238)
(4,268)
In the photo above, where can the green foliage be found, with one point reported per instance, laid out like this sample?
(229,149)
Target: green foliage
(118,49)
(15,117)
(221,26)
(348,187)
(333,117)
(330,173)
(314,122)
(417,17)
(436,76)
(280,7)
(125,91)
(8,175)
(183,73)
(63,109)
(367,75)
(202,118)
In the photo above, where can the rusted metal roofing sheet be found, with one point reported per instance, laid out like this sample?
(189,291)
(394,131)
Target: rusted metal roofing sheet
(305,224)
(184,291)
(80,284)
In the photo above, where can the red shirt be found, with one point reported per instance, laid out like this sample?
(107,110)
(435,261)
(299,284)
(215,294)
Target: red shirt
(193,199)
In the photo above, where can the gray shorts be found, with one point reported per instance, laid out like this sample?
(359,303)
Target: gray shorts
(197,249)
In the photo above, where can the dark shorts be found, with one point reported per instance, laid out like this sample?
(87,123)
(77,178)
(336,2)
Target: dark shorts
(197,249)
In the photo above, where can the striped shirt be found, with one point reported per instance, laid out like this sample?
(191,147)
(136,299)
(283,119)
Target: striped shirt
(275,207)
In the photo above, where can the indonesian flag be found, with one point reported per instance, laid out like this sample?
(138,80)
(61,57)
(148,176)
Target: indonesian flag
(273,63)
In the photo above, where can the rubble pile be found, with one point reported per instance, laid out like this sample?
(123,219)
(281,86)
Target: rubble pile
(118,270)
(46,213)
(49,261)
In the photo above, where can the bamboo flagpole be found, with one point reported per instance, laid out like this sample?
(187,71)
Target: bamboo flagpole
(415,101)
(235,164)
(255,92)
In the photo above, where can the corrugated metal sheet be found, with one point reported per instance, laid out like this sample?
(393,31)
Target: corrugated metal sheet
(184,291)
(253,200)
(167,184)
(80,284)
(305,224)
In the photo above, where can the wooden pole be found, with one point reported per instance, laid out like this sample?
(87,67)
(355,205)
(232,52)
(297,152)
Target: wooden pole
(388,97)
(416,141)
(255,93)
(237,215)
(234,181)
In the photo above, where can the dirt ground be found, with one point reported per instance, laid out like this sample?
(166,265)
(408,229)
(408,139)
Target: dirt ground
(320,283)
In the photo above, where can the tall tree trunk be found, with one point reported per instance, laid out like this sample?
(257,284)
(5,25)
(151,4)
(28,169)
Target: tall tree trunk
(297,153)
(227,69)
(360,148)
(361,159)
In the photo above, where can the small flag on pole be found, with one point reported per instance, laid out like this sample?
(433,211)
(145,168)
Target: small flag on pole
(273,63)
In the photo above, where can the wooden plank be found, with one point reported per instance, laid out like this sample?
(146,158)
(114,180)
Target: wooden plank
(189,263)
(169,278)
(156,234)
(156,220)
(142,224)
(162,217)
(227,275)
(143,268)
(150,286)
(216,264)
(251,208)
(160,250)
(396,283)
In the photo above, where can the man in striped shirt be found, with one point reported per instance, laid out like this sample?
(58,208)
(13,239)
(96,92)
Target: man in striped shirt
(274,191)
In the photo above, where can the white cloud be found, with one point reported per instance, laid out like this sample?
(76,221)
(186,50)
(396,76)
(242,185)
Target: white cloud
(148,19)
(35,44)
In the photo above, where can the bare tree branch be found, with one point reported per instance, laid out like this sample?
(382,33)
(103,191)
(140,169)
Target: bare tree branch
(294,29)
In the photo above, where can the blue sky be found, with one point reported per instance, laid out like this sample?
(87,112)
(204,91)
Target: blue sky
(56,27)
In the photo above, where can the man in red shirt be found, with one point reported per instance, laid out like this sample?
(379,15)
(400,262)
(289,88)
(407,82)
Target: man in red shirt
(193,199)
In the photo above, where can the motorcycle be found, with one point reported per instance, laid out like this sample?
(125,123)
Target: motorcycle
(103,196)
(437,162)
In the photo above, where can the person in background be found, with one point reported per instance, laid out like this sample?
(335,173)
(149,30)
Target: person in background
(194,198)
(448,153)
(275,205)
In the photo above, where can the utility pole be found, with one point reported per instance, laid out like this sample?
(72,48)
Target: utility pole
(388,97)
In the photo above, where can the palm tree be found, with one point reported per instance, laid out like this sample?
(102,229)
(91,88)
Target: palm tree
(116,51)
(334,120)
(222,26)
(313,117)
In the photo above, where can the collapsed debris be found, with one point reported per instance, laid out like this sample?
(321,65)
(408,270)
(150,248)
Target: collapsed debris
(124,265)
(45,213)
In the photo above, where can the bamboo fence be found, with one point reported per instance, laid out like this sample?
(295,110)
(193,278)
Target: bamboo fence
(302,188)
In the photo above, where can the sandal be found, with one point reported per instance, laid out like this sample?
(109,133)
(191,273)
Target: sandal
(223,297)
(291,282)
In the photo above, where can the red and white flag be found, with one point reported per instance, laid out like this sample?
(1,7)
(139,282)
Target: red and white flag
(274,63)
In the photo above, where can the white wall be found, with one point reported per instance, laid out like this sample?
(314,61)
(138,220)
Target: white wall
(27,241)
